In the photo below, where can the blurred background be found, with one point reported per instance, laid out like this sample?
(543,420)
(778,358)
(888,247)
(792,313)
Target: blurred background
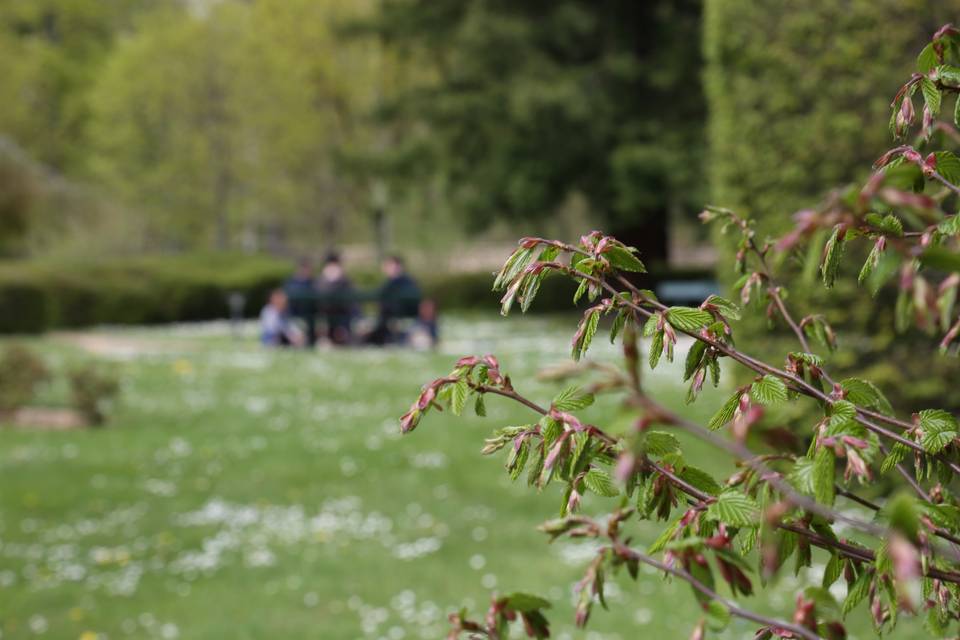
(165,163)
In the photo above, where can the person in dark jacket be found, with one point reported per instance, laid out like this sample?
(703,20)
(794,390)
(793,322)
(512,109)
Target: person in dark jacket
(399,297)
(337,300)
(300,289)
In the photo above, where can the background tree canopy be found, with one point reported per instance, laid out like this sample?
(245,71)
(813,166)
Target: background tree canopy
(530,103)
(255,124)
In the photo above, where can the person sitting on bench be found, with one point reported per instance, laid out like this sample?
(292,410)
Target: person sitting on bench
(276,329)
(337,299)
(399,297)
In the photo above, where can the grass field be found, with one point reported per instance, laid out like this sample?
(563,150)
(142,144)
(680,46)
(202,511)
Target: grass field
(241,493)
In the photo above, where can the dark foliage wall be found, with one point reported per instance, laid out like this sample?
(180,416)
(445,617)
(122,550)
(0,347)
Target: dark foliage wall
(795,110)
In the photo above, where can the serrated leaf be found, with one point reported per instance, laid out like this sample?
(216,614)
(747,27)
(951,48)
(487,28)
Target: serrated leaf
(870,264)
(694,358)
(727,309)
(518,459)
(735,509)
(939,429)
(665,536)
(897,454)
(857,591)
(688,318)
(656,349)
(833,570)
(572,399)
(600,483)
(660,443)
(623,258)
(948,166)
(823,476)
(927,59)
(586,332)
(832,254)
(807,358)
(866,394)
(550,430)
(768,390)
(931,95)
(701,480)
(950,226)
(458,396)
(516,263)
(479,407)
(801,475)
(725,413)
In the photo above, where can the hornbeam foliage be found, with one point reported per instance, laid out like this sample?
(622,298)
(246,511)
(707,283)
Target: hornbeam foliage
(789,499)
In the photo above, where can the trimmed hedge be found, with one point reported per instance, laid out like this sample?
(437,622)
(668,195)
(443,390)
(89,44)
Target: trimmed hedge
(37,296)
(799,97)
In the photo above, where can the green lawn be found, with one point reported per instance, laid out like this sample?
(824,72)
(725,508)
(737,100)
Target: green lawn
(242,493)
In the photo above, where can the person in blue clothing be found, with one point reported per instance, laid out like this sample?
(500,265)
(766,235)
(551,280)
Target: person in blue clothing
(276,329)
(337,300)
(399,297)
(301,292)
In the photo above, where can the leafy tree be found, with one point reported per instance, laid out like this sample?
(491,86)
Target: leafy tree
(233,120)
(52,52)
(798,97)
(793,496)
(526,104)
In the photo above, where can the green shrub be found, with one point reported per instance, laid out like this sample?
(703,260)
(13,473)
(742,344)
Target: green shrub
(92,392)
(38,296)
(21,371)
(795,105)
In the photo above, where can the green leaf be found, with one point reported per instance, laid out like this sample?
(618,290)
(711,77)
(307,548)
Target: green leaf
(823,476)
(857,591)
(949,75)
(688,318)
(458,396)
(572,399)
(807,358)
(725,413)
(832,254)
(656,349)
(701,480)
(866,394)
(902,513)
(660,443)
(586,332)
(931,95)
(518,459)
(927,59)
(623,258)
(870,264)
(479,407)
(888,224)
(939,429)
(726,308)
(948,166)
(950,226)
(769,390)
(526,602)
(841,412)
(941,258)
(665,536)
(694,358)
(802,475)
(516,263)
(718,615)
(833,570)
(600,483)
(735,509)
(897,454)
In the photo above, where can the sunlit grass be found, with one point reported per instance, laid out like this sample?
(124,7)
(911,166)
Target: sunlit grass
(242,493)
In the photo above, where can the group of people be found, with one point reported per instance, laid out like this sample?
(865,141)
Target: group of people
(328,306)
